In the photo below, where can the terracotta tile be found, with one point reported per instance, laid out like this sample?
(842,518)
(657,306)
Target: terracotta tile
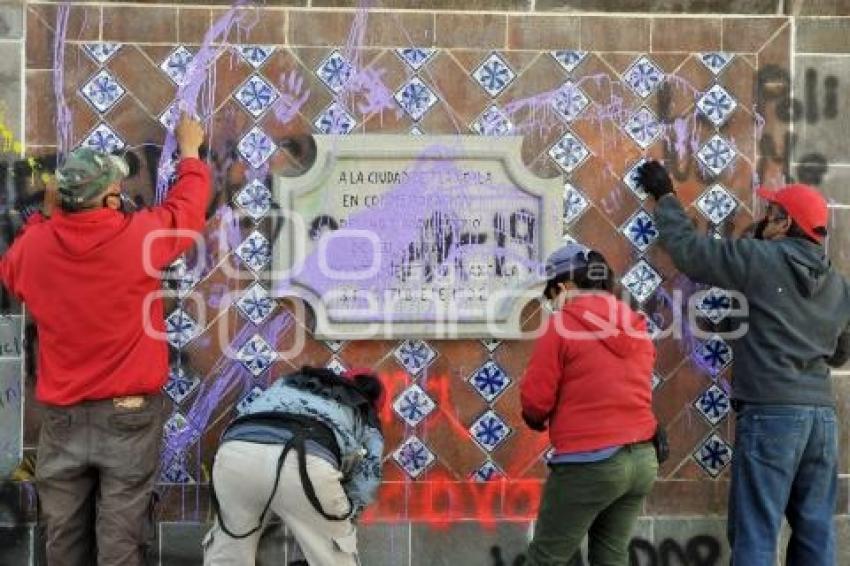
(615,34)
(192,25)
(453,447)
(594,231)
(603,185)
(541,77)
(137,69)
(83,25)
(286,71)
(253,25)
(739,78)
(672,400)
(205,352)
(142,24)
(688,497)
(483,31)
(83,119)
(464,96)
(749,35)
(381,29)
(41,118)
(686,34)
(543,32)
(471,5)
(230,72)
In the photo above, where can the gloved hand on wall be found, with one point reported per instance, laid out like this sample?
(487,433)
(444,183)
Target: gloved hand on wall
(653,177)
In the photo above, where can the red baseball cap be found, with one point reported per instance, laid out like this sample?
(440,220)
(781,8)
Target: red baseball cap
(804,204)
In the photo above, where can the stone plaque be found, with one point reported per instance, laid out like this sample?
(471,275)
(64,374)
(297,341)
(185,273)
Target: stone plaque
(11,394)
(427,236)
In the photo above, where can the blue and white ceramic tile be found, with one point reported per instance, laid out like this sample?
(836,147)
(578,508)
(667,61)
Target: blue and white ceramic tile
(575,203)
(714,304)
(493,122)
(414,355)
(255,304)
(256,55)
(716,61)
(644,76)
(180,328)
(256,95)
(717,105)
(640,230)
(254,251)
(336,366)
(713,355)
(334,346)
(416,131)
(335,71)
(180,384)
(494,75)
(178,277)
(245,403)
(176,473)
(415,98)
(176,65)
(101,52)
(643,127)
(716,203)
(490,430)
(491,344)
(256,147)
(713,455)
(335,119)
(413,405)
(104,139)
(717,154)
(569,59)
(486,472)
(631,180)
(569,152)
(713,404)
(414,457)
(175,424)
(170,116)
(490,380)
(255,199)
(569,101)
(641,280)
(657,381)
(415,57)
(256,355)
(102,91)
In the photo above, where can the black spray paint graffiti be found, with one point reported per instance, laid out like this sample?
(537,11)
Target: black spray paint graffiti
(700,550)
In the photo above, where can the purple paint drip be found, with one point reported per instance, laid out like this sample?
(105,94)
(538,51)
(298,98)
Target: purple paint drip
(64,120)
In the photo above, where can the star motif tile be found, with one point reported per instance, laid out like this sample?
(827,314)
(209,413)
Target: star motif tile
(713,455)
(716,155)
(643,77)
(716,203)
(493,122)
(713,355)
(713,404)
(176,65)
(414,356)
(641,280)
(335,71)
(415,98)
(415,57)
(256,147)
(494,75)
(489,431)
(569,101)
(254,251)
(631,180)
(569,59)
(413,405)
(256,55)
(180,328)
(486,472)
(643,127)
(335,119)
(717,105)
(256,355)
(255,304)
(180,384)
(256,95)
(414,457)
(101,52)
(104,139)
(716,61)
(640,230)
(490,380)
(714,304)
(569,152)
(255,199)
(102,91)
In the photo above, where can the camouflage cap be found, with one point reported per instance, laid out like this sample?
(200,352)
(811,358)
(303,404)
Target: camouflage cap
(85,174)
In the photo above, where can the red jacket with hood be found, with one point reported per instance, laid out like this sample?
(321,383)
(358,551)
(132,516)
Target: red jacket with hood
(84,280)
(590,376)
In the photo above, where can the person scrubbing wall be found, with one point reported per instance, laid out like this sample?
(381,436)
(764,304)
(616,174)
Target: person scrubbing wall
(82,269)
(786,439)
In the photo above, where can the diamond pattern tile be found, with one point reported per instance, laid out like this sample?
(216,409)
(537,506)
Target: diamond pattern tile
(716,61)
(335,71)
(643,127)
(180,328)
(414,457)
(180,384)
(569,101)
(717,105)
(104,139)
(657,381)
(256,355)
(415,57)
(415,98)
(413,405)
(256,95)
(101,52)
(713,455)
(493,122)
(254,251)
(494,75)
(335,119)
(176,473)
(336,366)
(643,77)
(713,404)
(256,147)
(255,199)
(490,430)
(486,472)
(178,277)
(716,155)
(569,152)
(631,180)
(256,55)
(716,203)
(569,59)
(255,304)
(575,203)
(102,91)
(169,116)
(490,380)
(416,131)
(334,346)
(245,403)
(491,344)
(414,355)
(640,230)
(714,355)
(175,424)
(176,65)
(714,304)
(641,280)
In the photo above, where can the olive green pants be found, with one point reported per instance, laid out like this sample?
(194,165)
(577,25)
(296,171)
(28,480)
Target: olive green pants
(598,499)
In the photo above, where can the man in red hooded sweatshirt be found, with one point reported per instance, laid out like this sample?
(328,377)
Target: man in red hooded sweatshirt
(87,274)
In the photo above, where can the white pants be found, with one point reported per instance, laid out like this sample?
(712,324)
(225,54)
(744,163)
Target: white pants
(244,477)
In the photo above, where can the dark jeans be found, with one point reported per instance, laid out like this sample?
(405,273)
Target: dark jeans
(599,499)
(96,470)
(785,463)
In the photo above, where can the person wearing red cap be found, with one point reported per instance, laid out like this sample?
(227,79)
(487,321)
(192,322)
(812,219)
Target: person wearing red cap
(798,326)
(307,449)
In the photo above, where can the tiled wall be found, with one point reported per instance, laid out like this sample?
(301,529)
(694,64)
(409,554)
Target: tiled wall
(588,93)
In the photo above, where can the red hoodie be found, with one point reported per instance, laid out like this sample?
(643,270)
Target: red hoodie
(590,376)
(83,279)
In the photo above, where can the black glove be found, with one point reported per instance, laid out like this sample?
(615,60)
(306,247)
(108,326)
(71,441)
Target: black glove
(653,177)
(533,424)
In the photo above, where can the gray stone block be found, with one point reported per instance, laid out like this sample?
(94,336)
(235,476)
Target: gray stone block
(820,109)
(11,19)
(180,543)
(469,544)
(690,541)
(823,35)
(384,545)
(10,94)
(669,6)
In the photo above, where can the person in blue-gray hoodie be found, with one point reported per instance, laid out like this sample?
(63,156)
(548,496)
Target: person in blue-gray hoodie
(309,450)
(786,438)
